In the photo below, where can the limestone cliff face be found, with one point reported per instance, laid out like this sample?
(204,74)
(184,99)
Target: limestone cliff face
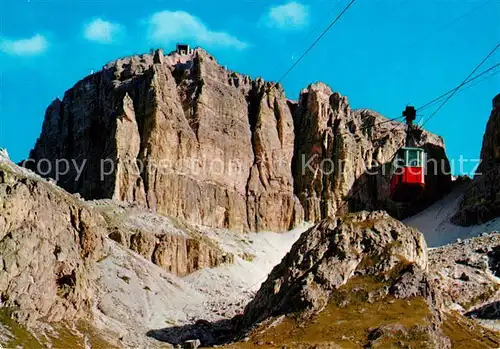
(189,139)
(340,155)
(178,254)
(51,242)
(481,202)
(490,151)
(179,249)
(183,136)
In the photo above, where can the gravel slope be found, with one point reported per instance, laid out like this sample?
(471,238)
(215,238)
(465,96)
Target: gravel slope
(434,222)
(134,296)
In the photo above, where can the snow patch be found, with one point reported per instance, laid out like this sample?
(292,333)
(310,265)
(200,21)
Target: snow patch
(434,222)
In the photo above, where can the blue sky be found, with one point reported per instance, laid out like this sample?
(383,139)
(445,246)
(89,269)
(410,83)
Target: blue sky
(382,54)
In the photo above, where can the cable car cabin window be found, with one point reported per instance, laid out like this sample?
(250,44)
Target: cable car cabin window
(413,157)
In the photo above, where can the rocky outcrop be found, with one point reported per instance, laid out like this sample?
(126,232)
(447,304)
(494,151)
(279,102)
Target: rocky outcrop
(182,135)
(182,256)
(360,280)
(481,202)
(48,243)
(490,151)
(328,255)
(176,247)
(340,155)
(466,271)
(363,280)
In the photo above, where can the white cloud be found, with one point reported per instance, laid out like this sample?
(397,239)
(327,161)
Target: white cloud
(35,45)
(290,16)
(167,27)
(102,31)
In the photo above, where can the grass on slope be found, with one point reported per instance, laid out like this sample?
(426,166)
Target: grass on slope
(466,334)
(351,316)
(344,322)
(61,337)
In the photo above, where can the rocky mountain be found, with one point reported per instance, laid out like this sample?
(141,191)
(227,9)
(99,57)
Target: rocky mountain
(48,243)
(185,137)
(348,155)
(328,255)
(481,202)
(212,148)
(57,263)
(363,280)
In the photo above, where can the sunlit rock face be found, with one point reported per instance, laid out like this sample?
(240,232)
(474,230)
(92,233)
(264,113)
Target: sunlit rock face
(343,158)
(184,136)
(49,243)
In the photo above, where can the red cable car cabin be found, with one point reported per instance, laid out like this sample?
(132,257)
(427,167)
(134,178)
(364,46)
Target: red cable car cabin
(408,176)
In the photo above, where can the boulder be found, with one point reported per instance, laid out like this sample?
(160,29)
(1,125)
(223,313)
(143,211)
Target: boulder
(192,344)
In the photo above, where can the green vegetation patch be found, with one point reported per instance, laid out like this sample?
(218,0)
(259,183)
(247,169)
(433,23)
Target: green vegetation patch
(466,334)
(349,320)
(62,336)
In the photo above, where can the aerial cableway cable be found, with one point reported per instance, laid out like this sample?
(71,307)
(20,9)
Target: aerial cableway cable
(455,90)
(316,41)
(452,92)
(433,101)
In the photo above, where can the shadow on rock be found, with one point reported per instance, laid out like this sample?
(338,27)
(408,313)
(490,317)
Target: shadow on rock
(494,260)
(489,311)
(370,191)
(207,333)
